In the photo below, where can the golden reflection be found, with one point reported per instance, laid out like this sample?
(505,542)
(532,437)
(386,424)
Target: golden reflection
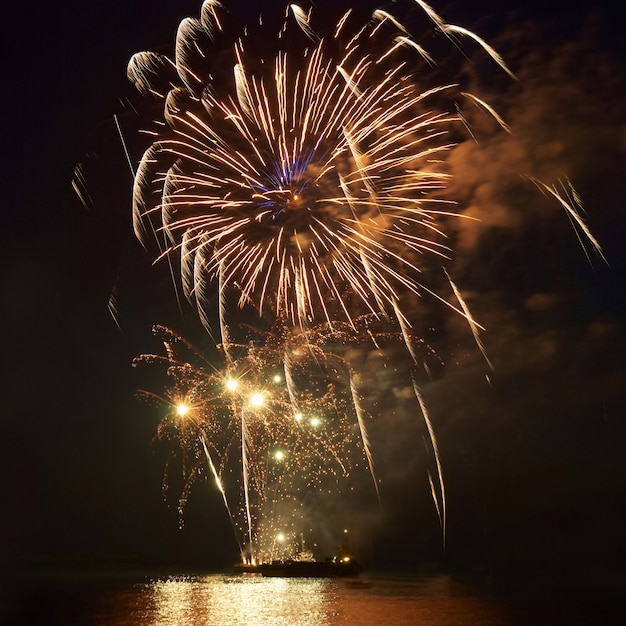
(223,600)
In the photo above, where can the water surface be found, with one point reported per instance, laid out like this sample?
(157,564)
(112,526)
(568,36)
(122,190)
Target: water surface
(125,599)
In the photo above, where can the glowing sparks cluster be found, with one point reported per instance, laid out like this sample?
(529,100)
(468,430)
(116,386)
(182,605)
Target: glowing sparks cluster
(261,434)
(305,180)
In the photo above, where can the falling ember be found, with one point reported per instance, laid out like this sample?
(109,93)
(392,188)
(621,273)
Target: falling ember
(182,410)
(257,399)
(231,384)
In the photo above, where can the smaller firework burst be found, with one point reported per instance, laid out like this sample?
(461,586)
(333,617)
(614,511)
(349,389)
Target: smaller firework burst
(271,443)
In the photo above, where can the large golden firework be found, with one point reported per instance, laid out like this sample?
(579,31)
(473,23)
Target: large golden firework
(308,179)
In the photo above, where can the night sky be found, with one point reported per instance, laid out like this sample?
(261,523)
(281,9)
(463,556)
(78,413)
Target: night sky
(533,460)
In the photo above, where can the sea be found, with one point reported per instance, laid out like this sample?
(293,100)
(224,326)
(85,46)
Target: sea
(118,598)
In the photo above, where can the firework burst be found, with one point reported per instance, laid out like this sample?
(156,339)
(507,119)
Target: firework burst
(303,179)
(307,181)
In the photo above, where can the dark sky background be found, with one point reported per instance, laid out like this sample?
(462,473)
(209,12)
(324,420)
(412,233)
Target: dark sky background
(534,462)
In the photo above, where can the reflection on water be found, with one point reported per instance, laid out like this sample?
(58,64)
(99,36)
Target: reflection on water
(225,600)
(238,600)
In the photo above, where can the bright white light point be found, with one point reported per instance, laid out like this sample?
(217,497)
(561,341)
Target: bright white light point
(279,455)
(231,384)
(277,378)
(257,399)
(280,537)
(315,421)
(182,409)
(298,416)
